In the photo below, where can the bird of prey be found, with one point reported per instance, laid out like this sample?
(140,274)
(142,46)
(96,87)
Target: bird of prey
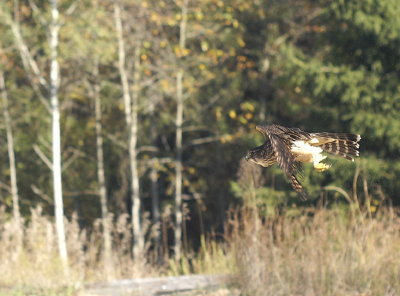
(289,147)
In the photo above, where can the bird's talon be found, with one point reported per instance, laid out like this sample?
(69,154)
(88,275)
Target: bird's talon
(320,167)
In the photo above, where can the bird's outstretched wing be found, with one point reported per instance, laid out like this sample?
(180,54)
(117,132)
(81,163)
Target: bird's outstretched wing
(280,139)
(283,155)
(287,162)
(291,146)
(297,187)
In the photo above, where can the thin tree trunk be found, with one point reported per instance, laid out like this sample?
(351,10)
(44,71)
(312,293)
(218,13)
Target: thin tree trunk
(155,202)
(108,263)
(155,206)
(154,193)
(56,135)
(155,199)
(131,110)
(11,157)
(221,192)
(136,204)
(178,139)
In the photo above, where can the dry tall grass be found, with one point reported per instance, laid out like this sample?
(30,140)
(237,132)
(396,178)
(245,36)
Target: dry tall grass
(318,252)
(36,265)
(321,252)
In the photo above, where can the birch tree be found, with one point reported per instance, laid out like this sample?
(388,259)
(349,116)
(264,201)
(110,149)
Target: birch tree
(108,263)
(178,138)
(130,96)
(39,82)
(11,158)
(55,132)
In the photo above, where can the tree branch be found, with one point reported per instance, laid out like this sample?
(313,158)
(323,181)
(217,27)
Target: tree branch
(43,195)
(68,162)
(204,140)
(30,65)
(43,157)
(36,10)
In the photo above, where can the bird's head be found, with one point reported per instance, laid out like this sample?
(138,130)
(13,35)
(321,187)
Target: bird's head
(261,127)
(251,155)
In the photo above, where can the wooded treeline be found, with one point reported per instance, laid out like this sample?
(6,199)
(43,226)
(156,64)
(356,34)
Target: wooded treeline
(158,100)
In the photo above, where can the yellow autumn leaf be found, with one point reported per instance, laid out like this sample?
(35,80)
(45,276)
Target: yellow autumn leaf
(248,116)
(199,16)
(164,84)
(171,22)
(154,17)
(242,120)
(226,138)
(247,106)
(181,52)
(163,44)
(204,45)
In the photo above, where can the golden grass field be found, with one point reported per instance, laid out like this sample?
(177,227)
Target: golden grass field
(315,252)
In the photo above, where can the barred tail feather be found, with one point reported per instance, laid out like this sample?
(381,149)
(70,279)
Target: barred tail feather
(343,148)
(339,136)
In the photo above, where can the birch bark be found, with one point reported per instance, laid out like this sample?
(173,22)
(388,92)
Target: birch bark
(130,95)
(108,263)
(178,139)
(11,158)
(56,134)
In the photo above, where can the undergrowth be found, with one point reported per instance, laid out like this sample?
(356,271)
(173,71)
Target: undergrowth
(315,252)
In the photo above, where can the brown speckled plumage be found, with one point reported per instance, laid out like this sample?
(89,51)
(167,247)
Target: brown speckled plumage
(282,146)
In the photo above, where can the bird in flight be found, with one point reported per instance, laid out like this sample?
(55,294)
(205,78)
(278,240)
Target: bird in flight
(289,147)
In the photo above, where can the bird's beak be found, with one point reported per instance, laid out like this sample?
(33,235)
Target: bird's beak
(259,128)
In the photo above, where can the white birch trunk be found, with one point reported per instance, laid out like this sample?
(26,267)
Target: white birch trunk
(108,263)
(136,204)
(11,158)
(178,139)
(56,135)
(131,109)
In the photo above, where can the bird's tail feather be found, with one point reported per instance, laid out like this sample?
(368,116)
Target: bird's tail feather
(339,136)
(343,145)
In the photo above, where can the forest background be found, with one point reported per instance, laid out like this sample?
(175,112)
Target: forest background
(136,115)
